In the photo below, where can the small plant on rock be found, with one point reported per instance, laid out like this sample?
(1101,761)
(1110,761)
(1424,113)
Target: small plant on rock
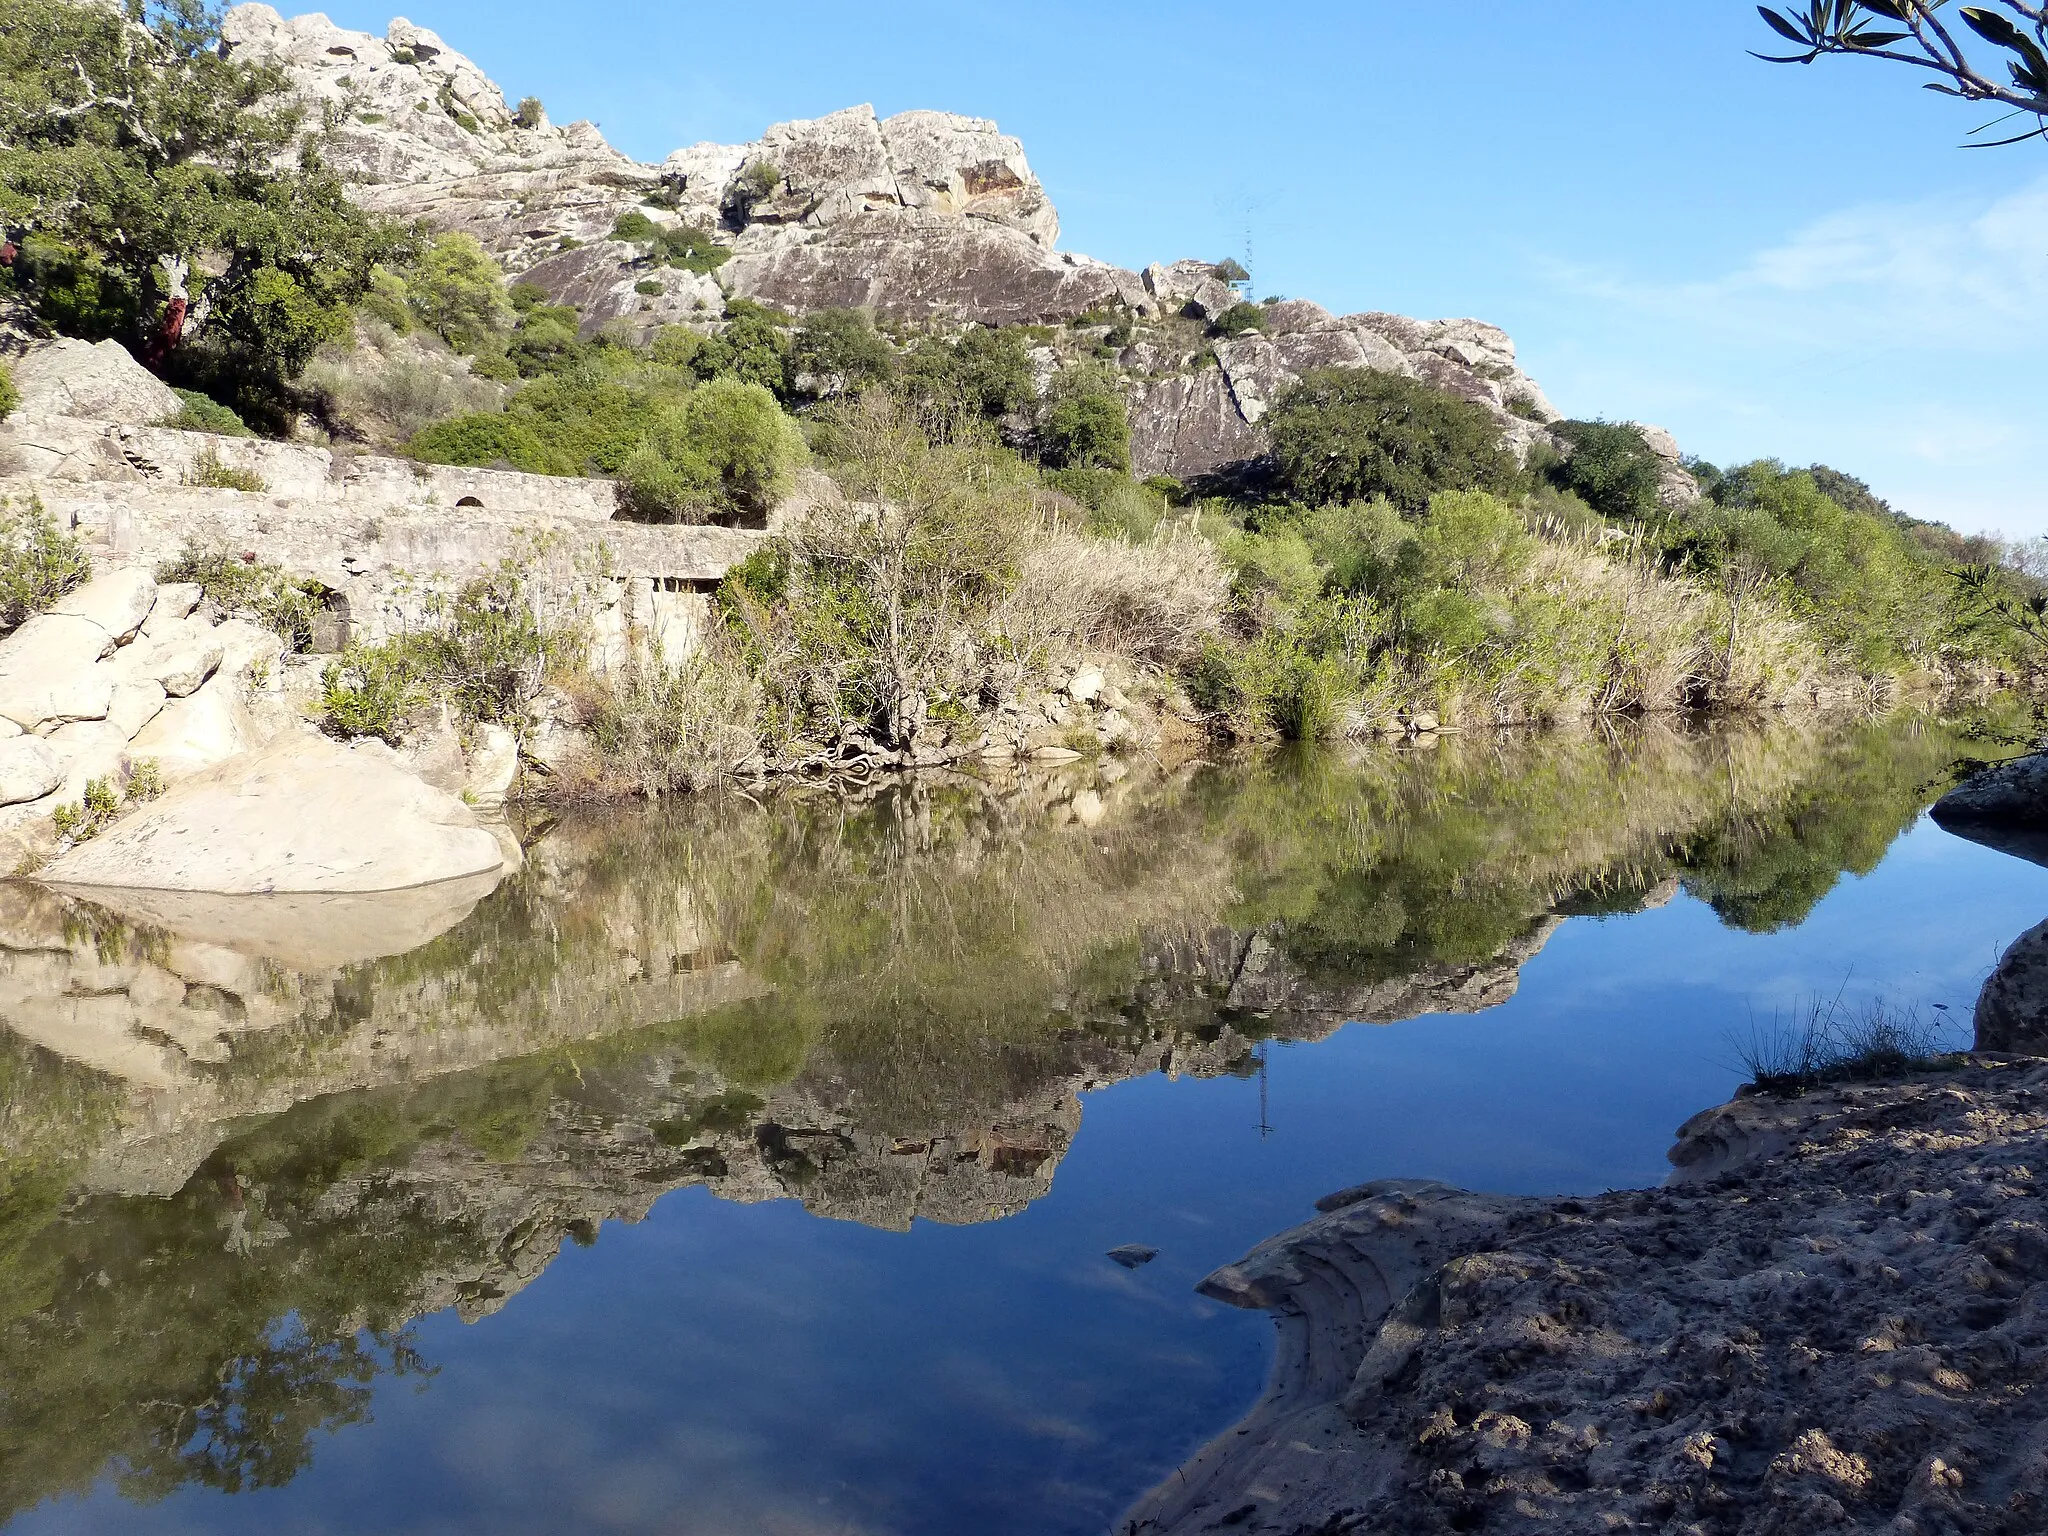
(10,397)
(243,586)
(39,562)
(209,473)
(88,818)
(531,114)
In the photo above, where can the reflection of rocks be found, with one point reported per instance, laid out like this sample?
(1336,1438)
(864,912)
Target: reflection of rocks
(304,814)
(1810,1341)
(1267,983)
(2004,806)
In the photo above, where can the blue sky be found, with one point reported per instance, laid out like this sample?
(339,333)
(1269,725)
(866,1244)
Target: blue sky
(1768,261)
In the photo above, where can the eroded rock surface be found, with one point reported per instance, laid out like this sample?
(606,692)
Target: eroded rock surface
(923,215)
(304,814)
(1835,1318)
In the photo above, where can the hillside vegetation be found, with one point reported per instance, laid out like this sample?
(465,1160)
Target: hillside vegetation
(1390,563)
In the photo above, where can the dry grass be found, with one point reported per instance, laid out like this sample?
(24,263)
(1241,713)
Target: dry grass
(386,387)
(1151,601)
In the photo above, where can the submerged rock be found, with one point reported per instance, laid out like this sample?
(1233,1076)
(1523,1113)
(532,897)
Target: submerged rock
(304,814)
(1133,1255)
(1834,1318)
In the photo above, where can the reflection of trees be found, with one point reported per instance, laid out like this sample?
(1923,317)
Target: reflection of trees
(948,962)
(1763,867)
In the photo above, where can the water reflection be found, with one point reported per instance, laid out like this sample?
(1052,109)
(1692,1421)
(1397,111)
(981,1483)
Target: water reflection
(240,1160)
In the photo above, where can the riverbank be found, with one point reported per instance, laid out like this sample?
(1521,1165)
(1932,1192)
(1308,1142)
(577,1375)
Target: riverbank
(1833,1318)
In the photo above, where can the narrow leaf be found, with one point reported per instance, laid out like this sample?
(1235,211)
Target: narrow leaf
(1781,26)
(1992,27)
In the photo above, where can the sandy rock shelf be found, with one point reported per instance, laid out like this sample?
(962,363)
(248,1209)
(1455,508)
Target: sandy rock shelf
(1834,1319)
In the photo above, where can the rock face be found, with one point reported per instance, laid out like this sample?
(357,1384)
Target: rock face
(97,380)
(1835,1318)
(2012,1009)
(303,815)
(923,215)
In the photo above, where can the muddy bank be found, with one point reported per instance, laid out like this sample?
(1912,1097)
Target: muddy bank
(1834,1318)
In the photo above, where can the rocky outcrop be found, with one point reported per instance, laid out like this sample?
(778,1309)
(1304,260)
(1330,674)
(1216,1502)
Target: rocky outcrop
(2004,806)
(927,216)
(2012,1008)
(304,815)
(1834,1319)
(98,380)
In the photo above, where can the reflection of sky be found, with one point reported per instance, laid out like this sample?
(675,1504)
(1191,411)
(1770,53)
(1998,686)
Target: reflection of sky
(732,1369)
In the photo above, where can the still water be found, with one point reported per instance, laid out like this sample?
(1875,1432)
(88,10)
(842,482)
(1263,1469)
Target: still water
(750,1167)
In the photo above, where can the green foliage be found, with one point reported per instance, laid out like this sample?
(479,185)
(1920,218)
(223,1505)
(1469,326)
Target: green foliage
(483,651)
(647,287)
(137,146)
(878,603)
(1610,468)
(1084,423)
(1858,579)
(1117,506)
(757,181)
(981,373)
(1230,270)
(457,291)
(210,472)
(530,114)
(727,449)
(202,413)
(39,562)
(2015,77)
(484,440)
(89,817)
(251,589)
(839,350)
(1352,434)
(10,397)
(686,246)
(1239,318)
(371,691)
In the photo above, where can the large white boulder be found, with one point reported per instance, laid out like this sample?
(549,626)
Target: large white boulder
(302,815)
(29,770)
(96,380)
(117,601)
(47,671)
(193,734)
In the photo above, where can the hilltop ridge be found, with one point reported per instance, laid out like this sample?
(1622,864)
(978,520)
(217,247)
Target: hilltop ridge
(923,215)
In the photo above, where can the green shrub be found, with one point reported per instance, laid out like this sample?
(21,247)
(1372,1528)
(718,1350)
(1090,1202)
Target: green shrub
(530,113)
(458,292)
(981,373)
(482,651)
(1352,434)
(839,350)
(755,184)
(202,413)
(635,226)
(1610,468)
(250,589)
(1230,270)
(86,820)
(387,301)
(211,473)
(39,562)
(482,440)
(1239,318)
(647,287)
(1086,431)
(1118,507)
(10,397)
(729,448)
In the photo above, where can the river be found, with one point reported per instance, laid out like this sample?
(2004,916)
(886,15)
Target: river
(751,1164)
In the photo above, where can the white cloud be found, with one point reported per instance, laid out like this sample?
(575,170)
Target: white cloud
(1900,341)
